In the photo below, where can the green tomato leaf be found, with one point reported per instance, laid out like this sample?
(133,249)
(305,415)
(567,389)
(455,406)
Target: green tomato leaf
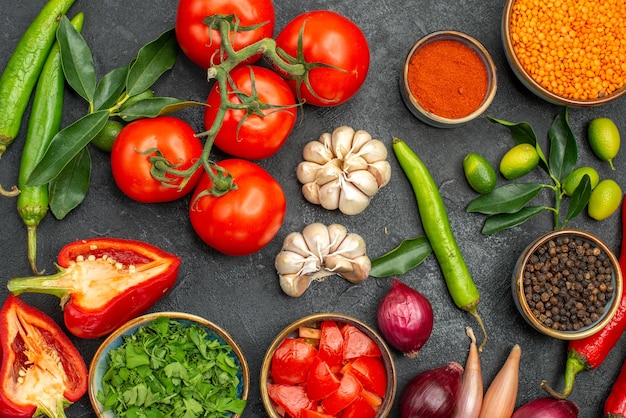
(579,199)
(563,147)
(70,187)
(406,256)
(153,59)
(509,198)
(76,60)
(502,221)
(523,133)
(155,106)
(65,145)
(110,88)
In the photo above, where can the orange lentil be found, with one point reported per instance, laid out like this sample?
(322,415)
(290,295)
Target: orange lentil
(574,48)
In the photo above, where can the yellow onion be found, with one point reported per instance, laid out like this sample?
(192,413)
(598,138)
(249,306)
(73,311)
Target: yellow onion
(432,393)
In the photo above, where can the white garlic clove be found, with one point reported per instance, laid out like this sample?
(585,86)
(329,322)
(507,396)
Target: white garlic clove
(337,234)
(317,152)
(381,170)
(338,264)
(294,284)
(329,195)
(352,246)
(354,163)
(295,243)
(364,181)
(360,139)
(373,151)
(307,171)
(352,201)
(317,239)
(330,171)
(311,192)
(342,141)
(289,262)
(361,268)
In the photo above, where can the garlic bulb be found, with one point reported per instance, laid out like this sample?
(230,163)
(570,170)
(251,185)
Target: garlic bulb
(320,251)
(343,170)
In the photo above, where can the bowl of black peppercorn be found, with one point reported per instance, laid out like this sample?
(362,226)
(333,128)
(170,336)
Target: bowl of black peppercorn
(567,284)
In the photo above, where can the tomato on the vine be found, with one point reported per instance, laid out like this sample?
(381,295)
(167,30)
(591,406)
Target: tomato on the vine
(166,137)
(202,45)
(243,220)
(333,40)
(261,130)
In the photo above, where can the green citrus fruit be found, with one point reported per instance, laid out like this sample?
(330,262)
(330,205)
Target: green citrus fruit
(573,179)
(604,139)
(604,200)
(105,138)
(479,173)
(518,161)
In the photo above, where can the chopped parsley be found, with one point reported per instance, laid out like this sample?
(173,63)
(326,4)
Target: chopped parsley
(170,369)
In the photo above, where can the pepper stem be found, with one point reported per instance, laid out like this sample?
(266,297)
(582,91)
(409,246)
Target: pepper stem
(40,284)
(575,364)
(474,312)
(32,249)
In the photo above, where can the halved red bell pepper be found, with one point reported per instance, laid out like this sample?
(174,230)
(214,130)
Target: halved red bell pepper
(104,282)
(42,372)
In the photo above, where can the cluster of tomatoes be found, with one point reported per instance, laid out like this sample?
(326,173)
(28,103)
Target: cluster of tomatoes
(335,58)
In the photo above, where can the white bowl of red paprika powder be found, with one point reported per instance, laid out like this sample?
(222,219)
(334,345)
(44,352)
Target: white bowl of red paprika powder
(448,79)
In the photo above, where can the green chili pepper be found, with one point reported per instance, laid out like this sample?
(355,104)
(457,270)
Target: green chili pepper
(437,228)
(22,71)
(406,256)
(43,124)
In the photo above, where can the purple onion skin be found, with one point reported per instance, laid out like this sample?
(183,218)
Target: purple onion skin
(405,318)
(547,408)
(432,393)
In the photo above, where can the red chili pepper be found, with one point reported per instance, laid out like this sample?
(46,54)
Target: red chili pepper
(615,404)
(104,282)
(42,371)
(590,352)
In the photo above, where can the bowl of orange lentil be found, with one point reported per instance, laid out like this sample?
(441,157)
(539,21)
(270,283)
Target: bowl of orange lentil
(567,52)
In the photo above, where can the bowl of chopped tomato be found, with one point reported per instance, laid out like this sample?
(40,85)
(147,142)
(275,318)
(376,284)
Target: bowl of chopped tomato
(167,362)
(328,365)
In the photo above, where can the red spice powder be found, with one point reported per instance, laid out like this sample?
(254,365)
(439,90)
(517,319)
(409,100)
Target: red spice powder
(447,78)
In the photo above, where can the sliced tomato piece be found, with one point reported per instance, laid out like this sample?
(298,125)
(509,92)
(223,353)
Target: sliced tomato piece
(292,399)
(291,361)
(356,343)
(310,413)
(373,399)
(360,408)
(331,344)
(349,389)
(371,373)
(309,333)
(321,381)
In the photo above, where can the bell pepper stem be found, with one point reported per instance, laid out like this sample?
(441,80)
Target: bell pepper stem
(575,363)
(40,284)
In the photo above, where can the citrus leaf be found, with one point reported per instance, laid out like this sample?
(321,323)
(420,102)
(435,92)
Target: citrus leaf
(65,145)
(76,60)
(509,198)
(406,256)
(563,147)
(153,59)
(110,88)
(69,188)
(523,133)
(154,106)
(501,221)
(579,198)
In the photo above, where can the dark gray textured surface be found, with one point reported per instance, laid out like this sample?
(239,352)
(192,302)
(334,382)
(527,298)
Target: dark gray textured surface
(242,294)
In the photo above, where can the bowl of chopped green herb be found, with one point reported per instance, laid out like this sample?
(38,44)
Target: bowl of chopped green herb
(169,361)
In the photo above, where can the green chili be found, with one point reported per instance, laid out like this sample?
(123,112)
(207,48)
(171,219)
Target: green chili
(43,124)
(436,226)
(22,71)
(406,256)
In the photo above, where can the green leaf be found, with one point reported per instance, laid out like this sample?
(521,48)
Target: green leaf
(499,222)
(509,198)
(77,60)
(70,187)
(153,59)
(65,145)
(406,256)
(523,133)
(155,106)
(579,199)
(563,147)
(110,88)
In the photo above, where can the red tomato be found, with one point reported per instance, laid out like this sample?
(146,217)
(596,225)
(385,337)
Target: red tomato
(357,344)
(371,373)
(331,39)
(347,392)
(290,398)
(246,134)
(310,413)
(243,220)
(291,361)
(331,344)
(202,45)
(175,141)
(321,381)
(360,408)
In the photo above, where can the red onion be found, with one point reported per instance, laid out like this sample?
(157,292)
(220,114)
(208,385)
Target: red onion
(405,318)
(432,393)
(547,408)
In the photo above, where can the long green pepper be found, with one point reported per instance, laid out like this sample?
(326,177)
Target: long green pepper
(22,71)
(43,124)
(436,226)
